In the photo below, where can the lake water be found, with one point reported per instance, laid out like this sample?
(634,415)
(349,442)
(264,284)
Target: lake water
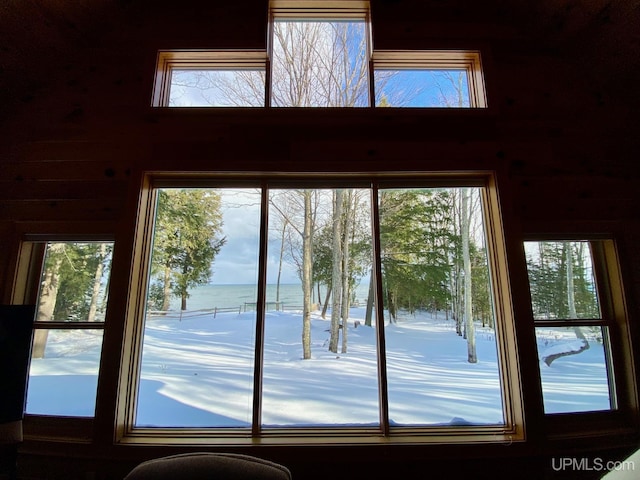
(236,296)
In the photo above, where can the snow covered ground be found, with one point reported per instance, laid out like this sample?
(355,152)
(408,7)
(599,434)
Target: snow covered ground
(576,383)
(198,372)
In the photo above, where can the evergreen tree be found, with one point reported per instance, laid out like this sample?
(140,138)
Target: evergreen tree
(480,286)
(187,239)
(416,242)
(561,280)
(81,272)
(72,287)
(562,287)
(322,264)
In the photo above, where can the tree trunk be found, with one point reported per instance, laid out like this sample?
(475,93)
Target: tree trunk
(336,276)
(307,262)
(166,289)
(369,311)
(585,346)
(466,259)
(571,292)
(346,290)
(455,295)
(392,306)
(97,280)
(47,300)
(183,301)
(284,230)
(327,297)
(456,280)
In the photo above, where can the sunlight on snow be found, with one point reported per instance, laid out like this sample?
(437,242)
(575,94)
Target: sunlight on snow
(198,372)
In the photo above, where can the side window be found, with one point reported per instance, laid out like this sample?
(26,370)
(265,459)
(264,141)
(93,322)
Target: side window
(70,313)
(572,326)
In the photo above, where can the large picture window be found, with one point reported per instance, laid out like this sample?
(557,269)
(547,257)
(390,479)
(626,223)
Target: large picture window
(348,305)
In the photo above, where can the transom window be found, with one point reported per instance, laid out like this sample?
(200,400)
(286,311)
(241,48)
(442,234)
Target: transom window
(210,79)
(435,79)
(319,57)
(348,305)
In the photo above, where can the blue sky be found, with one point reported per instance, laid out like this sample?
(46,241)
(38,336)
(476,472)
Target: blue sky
(237,262)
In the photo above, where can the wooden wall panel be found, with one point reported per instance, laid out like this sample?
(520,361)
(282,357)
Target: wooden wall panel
(61,210)
(61,190)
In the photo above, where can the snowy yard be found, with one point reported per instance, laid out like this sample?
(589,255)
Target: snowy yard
(198,372)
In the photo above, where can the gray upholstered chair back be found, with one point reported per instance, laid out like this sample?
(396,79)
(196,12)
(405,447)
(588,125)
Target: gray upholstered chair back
(209,466)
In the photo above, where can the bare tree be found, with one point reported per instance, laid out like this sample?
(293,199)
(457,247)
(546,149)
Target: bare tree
(347,238)
(299,208)
(283,233)
(97,282)
(336,282)
(314,64)
(283,223)
(319,64)
(466,259)
(307,263)
(452,89)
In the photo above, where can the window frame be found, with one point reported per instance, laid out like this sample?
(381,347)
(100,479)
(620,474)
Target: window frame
(623,417)
(319,10)
(467,60)
(204,59)
(513,430)
(32,239)
(170,60)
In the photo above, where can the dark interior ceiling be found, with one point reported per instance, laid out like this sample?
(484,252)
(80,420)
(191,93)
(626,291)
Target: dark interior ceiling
(40,38)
